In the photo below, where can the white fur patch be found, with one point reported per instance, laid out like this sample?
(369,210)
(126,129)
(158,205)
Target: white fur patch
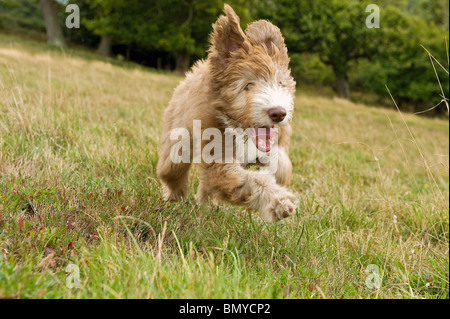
(270,96)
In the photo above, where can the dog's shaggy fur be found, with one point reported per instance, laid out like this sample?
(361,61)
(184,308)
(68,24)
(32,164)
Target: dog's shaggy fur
(244,76)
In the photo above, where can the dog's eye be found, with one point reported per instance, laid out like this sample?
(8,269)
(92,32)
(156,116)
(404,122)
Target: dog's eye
(248,86)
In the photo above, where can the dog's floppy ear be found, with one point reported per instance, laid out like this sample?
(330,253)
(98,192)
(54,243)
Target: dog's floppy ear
(227,35)
(264,32)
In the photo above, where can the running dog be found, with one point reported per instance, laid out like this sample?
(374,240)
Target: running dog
(244,83)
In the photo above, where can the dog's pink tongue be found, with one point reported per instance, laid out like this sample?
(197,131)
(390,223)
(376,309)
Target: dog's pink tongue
(263,137)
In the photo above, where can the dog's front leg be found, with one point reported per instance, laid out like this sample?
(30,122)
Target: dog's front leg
(283,174)
(256,190)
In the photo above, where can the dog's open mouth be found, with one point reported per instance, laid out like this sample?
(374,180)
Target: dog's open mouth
(263,137)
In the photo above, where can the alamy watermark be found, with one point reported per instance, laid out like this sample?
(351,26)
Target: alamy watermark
(373,279)
(373,19)
(73,276)
(73,19)
(233,145)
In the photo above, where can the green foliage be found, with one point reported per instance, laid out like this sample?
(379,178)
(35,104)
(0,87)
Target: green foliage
(308,68)
(432,11)
(21,16)
(168,25)
(335,31)
(401,63)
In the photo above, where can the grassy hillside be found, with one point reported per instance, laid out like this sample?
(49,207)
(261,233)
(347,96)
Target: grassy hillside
(78,150)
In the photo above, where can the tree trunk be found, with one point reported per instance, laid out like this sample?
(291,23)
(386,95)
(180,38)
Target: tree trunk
(158,63)
(128,53)
(341,85)
(54,30)
(182,63)
(104,47)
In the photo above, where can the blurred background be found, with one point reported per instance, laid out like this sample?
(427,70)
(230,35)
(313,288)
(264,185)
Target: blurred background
(331,49)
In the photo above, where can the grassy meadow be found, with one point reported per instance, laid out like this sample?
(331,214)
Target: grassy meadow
(78,151)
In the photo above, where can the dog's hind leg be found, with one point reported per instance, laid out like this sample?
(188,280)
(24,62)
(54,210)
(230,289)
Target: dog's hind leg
(203,195)
(173,176)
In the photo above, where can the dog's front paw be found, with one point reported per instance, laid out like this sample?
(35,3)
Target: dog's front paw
(282,204)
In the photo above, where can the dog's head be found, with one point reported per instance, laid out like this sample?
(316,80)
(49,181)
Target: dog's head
(250,73)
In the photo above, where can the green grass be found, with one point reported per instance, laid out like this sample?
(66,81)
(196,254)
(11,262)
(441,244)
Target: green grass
(78,150)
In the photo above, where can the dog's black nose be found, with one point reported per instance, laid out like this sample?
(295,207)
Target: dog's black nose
(277,114)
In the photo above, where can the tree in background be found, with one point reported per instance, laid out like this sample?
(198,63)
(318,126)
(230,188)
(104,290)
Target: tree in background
(177,26)
(401,63)
(432,11)
(334,29)
(21,16)
(335,32)
(53,26)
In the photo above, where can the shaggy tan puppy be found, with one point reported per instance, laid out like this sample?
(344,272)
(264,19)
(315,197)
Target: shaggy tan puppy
(245,83)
